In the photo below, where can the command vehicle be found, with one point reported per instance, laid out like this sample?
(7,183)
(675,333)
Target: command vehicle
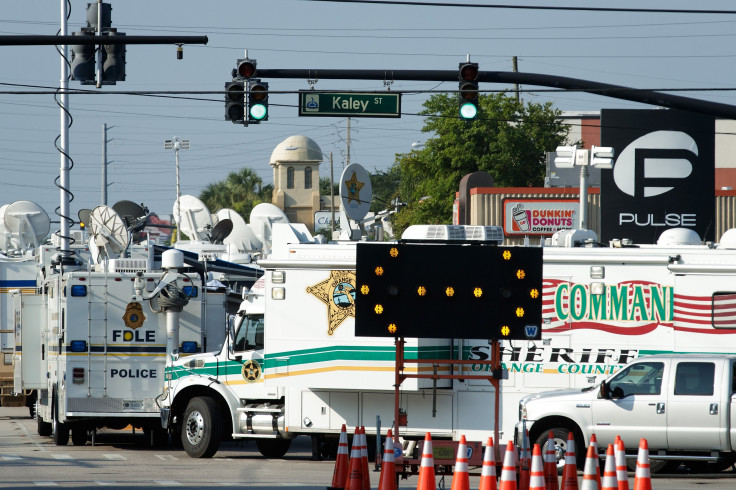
(603,306)
(682,404)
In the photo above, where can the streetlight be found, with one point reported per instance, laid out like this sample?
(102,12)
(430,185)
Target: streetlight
(177,144)
(570,156)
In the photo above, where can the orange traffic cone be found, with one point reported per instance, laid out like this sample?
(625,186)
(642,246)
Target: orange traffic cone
(508,472)
(536,477)
(387,481)
(610,481)
(364,459)
(355,473)
(488,472)
(570,473)
(551,481)
(643,479)
(590,481)
(594,443)
(460,477)
(341,463)
(622,471)
(426,469)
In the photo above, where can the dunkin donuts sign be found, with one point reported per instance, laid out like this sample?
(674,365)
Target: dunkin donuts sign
(539,216)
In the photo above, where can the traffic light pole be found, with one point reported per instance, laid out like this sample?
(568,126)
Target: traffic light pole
(643,96)
(40,40)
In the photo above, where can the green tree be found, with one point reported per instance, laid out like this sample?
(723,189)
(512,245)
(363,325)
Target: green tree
(240,191)
(508,140)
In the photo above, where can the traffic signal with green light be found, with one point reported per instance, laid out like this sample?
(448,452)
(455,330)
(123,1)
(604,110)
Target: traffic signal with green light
(448,291)
(257,101)
(468,90)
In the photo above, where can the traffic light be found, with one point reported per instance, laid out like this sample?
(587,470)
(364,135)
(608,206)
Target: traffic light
(488,292)
(246,68)
(257,101)
(468,90)
(113,61)
(235,102)
(83,61)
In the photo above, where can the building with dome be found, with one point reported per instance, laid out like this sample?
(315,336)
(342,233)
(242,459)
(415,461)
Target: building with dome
(295,163)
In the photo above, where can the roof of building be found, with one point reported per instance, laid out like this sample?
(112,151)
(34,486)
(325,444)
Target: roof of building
(297,149)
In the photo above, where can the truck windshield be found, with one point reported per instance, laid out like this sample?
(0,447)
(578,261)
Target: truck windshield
(250,333)
(642,378)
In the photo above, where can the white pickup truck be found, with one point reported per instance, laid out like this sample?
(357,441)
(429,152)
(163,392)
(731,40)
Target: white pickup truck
(683,404)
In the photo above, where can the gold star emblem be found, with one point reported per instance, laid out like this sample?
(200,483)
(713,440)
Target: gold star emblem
(354,188)
(338,293)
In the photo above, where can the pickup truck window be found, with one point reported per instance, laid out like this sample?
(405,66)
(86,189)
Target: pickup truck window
(642,378)
(695,378)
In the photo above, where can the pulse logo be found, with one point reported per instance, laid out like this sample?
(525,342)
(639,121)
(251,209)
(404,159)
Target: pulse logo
(655,163)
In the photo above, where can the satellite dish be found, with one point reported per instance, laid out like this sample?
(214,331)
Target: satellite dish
(83,215)
(221,230)
(133,214)
(195,218)
(27,223)
(356,192)
(262,218)
(109,233)
(242,236)
(4,237)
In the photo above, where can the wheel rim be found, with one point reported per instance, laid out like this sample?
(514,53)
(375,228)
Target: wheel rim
(195,428)
(560,450)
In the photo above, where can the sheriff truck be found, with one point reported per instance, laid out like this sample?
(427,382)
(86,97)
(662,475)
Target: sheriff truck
(293,364)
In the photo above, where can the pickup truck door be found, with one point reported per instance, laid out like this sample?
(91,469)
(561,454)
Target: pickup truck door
(697,407)
(634,411)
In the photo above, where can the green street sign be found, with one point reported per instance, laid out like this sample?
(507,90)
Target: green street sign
(371,104)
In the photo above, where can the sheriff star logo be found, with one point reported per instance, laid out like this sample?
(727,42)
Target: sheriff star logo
(338,293)
(354,188)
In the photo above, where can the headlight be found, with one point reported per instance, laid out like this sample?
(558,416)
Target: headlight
(522,411)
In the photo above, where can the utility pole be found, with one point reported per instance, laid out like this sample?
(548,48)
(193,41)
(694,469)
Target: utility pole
(515,69)
(347,160)
(104,163)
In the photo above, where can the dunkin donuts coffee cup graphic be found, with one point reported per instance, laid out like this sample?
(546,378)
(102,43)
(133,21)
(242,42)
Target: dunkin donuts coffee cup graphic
(520,217)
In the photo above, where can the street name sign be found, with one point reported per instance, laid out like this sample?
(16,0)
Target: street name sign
(353,104)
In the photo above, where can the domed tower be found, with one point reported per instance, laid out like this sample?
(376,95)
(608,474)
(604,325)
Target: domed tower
(295,163)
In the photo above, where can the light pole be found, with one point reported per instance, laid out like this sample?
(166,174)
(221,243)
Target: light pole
(177,144)
(570,156)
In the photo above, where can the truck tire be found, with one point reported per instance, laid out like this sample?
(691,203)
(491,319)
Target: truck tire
(44,429)
(201,429)
(61,433)
(273,448)
(79,435)
(560,434)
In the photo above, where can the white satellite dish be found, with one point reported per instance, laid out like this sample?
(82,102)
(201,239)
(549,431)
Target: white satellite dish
(242,236)
(4,237)
(195,218)
(109,235)
(262,218)
(356,192)
(27,224)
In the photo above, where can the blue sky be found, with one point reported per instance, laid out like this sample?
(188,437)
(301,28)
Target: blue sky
(641,50)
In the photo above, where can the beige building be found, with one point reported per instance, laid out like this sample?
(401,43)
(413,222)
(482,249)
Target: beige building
(295,163)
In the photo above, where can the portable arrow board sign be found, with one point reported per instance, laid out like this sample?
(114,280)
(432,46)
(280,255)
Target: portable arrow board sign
(356,192)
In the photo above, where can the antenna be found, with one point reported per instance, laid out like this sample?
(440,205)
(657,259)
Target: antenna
(135,216)
(221,230)
(109,236)
(356,192)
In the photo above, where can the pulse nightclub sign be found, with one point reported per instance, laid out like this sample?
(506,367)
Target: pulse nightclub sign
(663,176)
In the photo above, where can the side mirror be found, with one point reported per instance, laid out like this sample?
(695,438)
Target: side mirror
(605,391)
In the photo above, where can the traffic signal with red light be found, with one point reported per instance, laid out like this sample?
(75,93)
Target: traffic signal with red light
(468,90)
(246,68)
(257,101)
(235,102)
(448,290)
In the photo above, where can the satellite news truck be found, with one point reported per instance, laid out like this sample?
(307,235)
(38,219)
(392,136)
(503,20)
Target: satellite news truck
(294,364)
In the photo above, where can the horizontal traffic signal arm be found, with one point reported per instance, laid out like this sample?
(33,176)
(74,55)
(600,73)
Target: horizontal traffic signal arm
(508,77)
(40,40)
